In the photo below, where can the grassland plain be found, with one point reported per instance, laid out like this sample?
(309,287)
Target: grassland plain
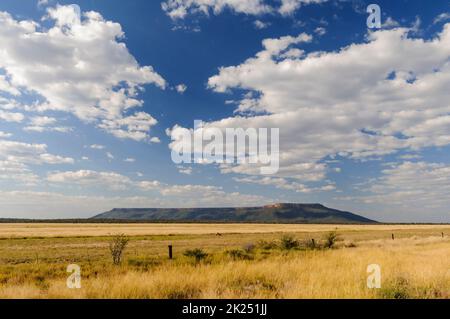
(243,261)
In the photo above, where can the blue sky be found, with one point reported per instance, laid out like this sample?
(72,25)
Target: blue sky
(89,102)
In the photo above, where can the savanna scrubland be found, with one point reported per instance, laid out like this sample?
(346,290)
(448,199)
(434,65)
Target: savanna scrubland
(225,261)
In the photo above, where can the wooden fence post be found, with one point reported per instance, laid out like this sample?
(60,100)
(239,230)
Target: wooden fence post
(170,252)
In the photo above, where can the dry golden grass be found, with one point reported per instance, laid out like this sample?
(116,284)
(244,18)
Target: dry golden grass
(72,230)
(414,265)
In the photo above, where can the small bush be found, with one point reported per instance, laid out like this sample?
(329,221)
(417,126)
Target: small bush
(311,244)
(331,239)
(402,288)
(238,254)
(197,253)
(117,247)
(289,242)
(398,289)
(249,248)
(267,245)
(173,288)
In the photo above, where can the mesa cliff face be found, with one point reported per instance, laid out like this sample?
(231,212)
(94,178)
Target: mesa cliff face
(276,213)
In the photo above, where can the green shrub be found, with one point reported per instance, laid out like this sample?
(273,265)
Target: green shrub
(249,248)
(117,247)
(197,254)
(267,245)
(238,254)
(311,244)
(289,242)
(331,239)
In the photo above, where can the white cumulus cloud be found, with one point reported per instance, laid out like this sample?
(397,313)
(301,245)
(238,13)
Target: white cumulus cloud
(78,65)
(179,9)
(365,100)
(16,158)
